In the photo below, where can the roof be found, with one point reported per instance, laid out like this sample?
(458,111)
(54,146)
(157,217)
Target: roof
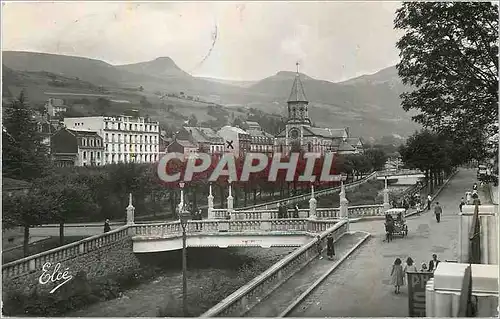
(353,140)
(235,129)
(83,132)
(204,134)
(185,143)
(345,147)
(254,132)
(297,94)
(326,132)
(14,184)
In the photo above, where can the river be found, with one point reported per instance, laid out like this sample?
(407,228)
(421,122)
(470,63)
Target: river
(213,274)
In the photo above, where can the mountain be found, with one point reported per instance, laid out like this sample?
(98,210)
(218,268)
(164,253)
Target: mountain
(369,105)
(163,67)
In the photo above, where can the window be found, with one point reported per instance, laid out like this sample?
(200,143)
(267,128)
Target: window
(119,126)
(84,155)
(135,127)
(119,138)
(113,138)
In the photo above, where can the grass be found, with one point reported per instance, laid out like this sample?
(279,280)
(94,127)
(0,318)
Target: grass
(38,247)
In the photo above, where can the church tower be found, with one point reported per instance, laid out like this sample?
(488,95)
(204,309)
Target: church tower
(298,115)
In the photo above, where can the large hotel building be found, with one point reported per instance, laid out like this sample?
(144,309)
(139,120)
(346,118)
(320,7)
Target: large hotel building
(126,138)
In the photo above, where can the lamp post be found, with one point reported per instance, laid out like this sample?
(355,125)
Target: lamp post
(184,217)
(181,204)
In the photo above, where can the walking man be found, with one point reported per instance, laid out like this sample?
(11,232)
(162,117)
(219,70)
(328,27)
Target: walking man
(433,263)
(462,203)
(330,249)
(319,246)
(296,212)
(107,228)
(438,211)
(429,200)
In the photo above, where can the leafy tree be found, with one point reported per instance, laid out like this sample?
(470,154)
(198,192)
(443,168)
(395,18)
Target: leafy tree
(430,153)
(376,157)
(26,211)
(71,201)
(193,121)
(449,54)
(24,154)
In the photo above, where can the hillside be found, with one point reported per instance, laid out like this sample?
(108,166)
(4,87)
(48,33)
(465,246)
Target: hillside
(368,104)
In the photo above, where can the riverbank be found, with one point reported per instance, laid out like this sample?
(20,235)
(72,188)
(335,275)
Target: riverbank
(213,274)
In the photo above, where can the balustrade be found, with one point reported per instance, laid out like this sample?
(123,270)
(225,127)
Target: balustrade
(242,300)
(60,254)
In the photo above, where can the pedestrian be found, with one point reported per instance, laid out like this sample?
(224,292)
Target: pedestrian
(423,268)
(397,275)
(433,263)
(474,187)
(330,249)
(107,227)
(429,200)
(319,246)
(296,212)
(462,203)
(410,266)
(438,211)
(285,211)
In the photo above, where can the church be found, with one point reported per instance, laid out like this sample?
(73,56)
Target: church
(300,135)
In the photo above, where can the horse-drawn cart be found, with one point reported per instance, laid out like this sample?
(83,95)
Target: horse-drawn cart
(395,224)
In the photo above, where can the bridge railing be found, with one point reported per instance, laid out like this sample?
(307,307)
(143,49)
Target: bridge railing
(399,172)
(321,213)
(241,226)
(35,262)
(243,299)
(303,197)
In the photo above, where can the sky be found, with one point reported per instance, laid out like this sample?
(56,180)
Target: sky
(332,41)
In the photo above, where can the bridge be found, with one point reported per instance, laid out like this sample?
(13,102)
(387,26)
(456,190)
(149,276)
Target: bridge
(400,174)
(257,226)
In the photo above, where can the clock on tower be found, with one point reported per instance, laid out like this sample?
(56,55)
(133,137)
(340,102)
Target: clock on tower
(293,133)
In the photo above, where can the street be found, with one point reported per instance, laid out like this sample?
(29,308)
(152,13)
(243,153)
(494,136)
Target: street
(360,287)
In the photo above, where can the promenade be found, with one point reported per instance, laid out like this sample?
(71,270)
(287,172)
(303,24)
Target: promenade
(360,287)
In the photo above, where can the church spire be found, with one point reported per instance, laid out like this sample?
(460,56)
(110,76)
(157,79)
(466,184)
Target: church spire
(297,94)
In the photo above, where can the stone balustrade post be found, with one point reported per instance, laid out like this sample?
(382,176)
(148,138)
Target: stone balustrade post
(130,211)
(312,204)
(344,209)
(230,203)
(210,198)
(265,224)
(387,205)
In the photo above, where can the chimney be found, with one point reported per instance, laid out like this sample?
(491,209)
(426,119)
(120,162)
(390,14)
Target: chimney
(347,131)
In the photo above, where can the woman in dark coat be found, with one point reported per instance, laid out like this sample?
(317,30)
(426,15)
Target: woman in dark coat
(330,249)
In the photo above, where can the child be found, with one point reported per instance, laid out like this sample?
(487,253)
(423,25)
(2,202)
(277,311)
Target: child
(424,268)
(397,275)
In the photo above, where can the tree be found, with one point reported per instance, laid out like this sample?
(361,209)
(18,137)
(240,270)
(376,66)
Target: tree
(430,153)
(193,121)
(24,154)
(376,157)
(69,200)
(449,54)
(26,211)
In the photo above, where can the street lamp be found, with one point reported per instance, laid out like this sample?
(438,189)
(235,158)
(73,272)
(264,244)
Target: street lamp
(184,217)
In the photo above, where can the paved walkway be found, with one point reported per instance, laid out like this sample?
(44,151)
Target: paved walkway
(285,294)
(360,286)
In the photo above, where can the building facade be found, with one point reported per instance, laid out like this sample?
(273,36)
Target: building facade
(77,148)
(260,141)
(182,146)
(126,138)
(300,135)
(55,106)
(205,138)
(236,140)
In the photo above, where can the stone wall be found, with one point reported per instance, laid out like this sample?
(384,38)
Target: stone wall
(112,260)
